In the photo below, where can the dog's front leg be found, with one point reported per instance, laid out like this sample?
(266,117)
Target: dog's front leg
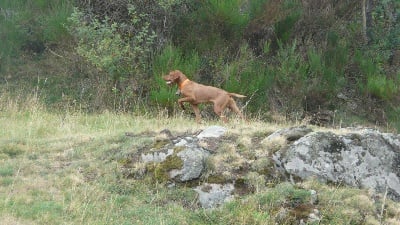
(182,100)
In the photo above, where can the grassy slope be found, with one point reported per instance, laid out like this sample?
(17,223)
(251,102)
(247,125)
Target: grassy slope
(64,168)
(55,169)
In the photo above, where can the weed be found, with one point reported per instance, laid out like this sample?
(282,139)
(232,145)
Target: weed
(6,170)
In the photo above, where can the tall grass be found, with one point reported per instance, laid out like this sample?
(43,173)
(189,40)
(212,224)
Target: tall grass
(376,83)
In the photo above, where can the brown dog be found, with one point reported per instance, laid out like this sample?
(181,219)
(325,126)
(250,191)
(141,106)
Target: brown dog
(195,94)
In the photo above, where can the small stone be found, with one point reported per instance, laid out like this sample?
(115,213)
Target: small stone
(182,142)
(314,197)
(212,131)
(213,195)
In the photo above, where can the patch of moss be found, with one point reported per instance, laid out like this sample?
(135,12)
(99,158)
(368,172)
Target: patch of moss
(161,170)
(300,212)
(125,162)
(261,134)
(178,149)
(158,144)
(257,137)
(217,179)
(242,187)
(13,149)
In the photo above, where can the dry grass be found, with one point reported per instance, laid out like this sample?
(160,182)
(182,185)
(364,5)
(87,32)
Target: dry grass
(64,168)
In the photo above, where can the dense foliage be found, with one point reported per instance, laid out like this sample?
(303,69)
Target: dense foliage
(293,58)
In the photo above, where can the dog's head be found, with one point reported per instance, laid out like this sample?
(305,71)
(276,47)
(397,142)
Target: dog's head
(173,77)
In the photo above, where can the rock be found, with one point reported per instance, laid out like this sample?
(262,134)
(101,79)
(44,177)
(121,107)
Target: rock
(166,133)
(213,195)
(156,156)
(182,142)
(314,217)
(193,164)
(290,134)
(364,158)
(212,131)
(178,159)
(281,138)
(313,197)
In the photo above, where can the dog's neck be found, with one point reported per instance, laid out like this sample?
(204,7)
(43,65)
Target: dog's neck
(183,83)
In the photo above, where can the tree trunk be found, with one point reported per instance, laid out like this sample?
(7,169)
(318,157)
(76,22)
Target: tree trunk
(366,8)
(364,20)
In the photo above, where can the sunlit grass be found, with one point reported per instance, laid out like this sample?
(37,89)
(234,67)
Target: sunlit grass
(63,168)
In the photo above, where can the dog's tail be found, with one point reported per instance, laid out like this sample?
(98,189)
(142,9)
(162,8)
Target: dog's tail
(237,95)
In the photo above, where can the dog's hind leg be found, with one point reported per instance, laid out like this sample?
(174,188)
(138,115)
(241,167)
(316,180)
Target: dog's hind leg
(219,110)
(197,112)
(232,105)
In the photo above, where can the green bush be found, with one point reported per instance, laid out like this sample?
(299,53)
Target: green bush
(250,77)
(121,52)
(212,24)
(283,28)
(376,83)
(382,87)
(326,69)
(101,43)
(229,14)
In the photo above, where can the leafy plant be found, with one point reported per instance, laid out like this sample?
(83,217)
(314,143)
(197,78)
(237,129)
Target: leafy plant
(382,87)
(120,51)
(103,45)
(283,28)
(376,83)
(245,69)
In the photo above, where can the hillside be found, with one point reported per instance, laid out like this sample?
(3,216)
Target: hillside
(77,168)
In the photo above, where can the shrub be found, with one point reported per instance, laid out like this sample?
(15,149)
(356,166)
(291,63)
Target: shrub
(382,87)
(326,69)
(101,43)
(375,82)
(283,28)
(121,52)
(212,24)
(229,14)
(258,79)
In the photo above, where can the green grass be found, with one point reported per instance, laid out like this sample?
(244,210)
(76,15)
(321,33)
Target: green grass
(65,168)
(63,174)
